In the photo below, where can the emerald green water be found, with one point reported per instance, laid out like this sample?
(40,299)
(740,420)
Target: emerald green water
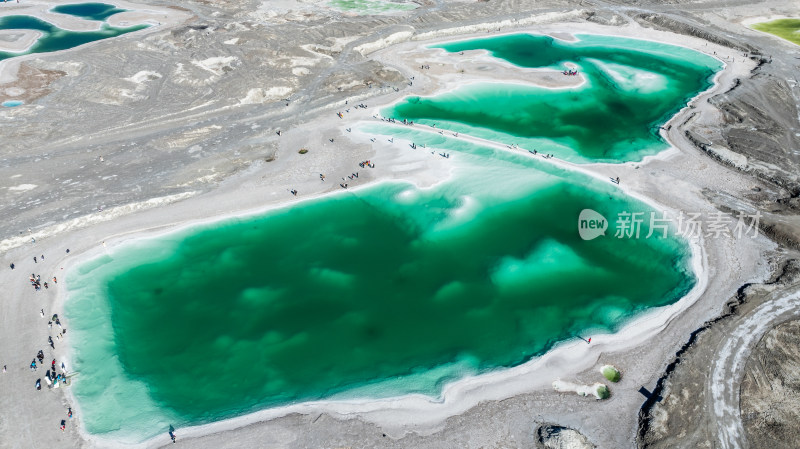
(54,38)
(632,87)
(91,11)
(377,292)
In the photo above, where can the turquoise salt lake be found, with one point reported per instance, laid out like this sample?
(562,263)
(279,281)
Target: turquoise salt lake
(390,289)
(632,88)
(89,11)
(55,39)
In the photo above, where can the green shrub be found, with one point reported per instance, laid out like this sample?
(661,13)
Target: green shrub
(610,373)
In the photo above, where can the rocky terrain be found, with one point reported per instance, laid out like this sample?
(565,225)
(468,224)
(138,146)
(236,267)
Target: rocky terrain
(771,389)
(557,437)
(687,415)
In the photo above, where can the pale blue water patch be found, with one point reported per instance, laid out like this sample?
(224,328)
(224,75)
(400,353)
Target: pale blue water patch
(12,103)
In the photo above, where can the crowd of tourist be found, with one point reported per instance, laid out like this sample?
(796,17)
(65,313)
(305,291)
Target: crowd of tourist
(55,372)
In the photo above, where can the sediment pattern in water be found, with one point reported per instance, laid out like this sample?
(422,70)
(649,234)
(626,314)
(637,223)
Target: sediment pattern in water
(632,88)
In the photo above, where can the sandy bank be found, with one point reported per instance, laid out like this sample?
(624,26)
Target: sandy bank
(18,41)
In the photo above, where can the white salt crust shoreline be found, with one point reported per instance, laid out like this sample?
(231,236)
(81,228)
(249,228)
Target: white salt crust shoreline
(425,414)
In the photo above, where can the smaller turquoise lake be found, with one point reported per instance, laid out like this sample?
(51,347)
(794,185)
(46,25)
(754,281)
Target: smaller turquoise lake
(89,11)
(12,103)
(631,88)
(56,39)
